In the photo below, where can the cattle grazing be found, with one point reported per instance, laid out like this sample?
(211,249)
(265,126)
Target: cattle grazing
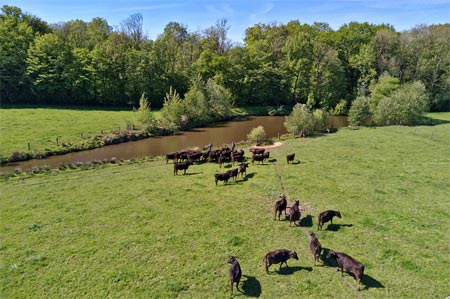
(180,166)
(316,247)
(260,157)
(233,173)
(194,156)
(243,169)
(290,158)
(349,264)
(222,177)
(294,212)
(220,160)
(257,151)
(235,272)
(326,216)
(280,206)
(171,156)
(279,256)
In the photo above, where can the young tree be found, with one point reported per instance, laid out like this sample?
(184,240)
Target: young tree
(304,122)
(143,117)
(359,112)
(257,135)
(404,106)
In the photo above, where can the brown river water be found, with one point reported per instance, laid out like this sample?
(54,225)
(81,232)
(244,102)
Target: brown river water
(217,134)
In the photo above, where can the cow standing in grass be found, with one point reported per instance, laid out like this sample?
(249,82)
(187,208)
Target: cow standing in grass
(316,247)
(235,272)
(349,264)
(279,256)
(326,216)
(280,206)
(294,213)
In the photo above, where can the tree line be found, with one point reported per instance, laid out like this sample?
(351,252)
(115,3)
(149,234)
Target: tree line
(90,63)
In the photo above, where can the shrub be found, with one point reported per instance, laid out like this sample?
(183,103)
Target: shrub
(359,112)
(143,116)
(257,135)
(303,121)
(341,108)
(385,86)
(404,107)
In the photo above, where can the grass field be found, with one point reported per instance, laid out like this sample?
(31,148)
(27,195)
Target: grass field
(41,125)
(137,231)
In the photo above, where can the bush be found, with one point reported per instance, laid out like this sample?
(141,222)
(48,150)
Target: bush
(359,113)
(143,116)
(257,135)
(404,107)
(303,121)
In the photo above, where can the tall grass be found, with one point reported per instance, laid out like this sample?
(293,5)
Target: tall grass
(138,231)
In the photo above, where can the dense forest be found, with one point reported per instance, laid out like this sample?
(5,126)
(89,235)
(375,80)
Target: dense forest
(90,63)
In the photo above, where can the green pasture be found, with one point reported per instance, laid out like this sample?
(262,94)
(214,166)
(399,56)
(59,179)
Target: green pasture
(137,231)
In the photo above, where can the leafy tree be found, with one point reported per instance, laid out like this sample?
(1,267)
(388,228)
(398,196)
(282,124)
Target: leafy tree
(359,113)
(384,87)
(304,122)
(257,135)
(404,106)
(48,67)
(143,116)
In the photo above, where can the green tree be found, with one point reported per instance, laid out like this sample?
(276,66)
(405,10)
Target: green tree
(384,87)
(304,122)
(404,106)
(257,135)
(143,116)
(359,113)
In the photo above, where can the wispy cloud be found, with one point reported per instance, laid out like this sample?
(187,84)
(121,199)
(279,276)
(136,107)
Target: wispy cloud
(264,10)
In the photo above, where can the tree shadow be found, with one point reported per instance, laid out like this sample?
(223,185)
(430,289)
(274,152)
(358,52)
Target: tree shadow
(251,286)
(335,227)
(370,282)
(292,270)
(306,221)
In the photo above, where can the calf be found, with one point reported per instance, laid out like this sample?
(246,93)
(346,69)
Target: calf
(222,177)
(233,173)
(316,247)
(235,273)
(243,169)
(290,158)
(326,216)
(349,264)
(294,213)
(180,166)
(280,206)
(279,256)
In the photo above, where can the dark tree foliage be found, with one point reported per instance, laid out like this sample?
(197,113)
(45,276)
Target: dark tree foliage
(89,63)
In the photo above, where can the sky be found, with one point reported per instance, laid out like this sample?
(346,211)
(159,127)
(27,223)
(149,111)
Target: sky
(198,15)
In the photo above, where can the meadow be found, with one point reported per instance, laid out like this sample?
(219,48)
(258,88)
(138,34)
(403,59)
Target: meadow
(134,230)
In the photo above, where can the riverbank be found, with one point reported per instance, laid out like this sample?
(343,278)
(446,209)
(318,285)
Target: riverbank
(42,131)
(96,232)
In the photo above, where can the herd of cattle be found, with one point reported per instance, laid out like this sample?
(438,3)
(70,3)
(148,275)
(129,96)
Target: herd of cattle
(182,161)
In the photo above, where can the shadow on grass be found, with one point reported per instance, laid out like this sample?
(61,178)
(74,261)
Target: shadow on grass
(192,173)
(251,286)
(371,282)
(336,227)
(327,262)
(297,162)
(292,270)
(306,221)
(249,176)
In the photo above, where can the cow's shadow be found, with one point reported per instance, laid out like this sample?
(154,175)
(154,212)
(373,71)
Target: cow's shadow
(192,173)
(251,287)
(292,270)
(370,282)
(327,262)
(306,221)
(335,227)
(248,176)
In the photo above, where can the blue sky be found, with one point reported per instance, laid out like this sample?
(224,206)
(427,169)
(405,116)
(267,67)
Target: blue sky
(241,14)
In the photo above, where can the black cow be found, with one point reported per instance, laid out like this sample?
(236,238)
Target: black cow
(294,213)
(260,157)
(290,158)
(349,264)
(243,169)
(257,151)
(180,166)
(316,247)
(222,177)
(171,156)
(326,216)
(233,173)
(280,206)
(279,256)
(235,273)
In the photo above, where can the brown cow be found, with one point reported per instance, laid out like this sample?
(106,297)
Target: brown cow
(180,166)
(235,272)
(316,247)
(349,264)
(243,169)
(294,213)
(171,156)
(257,151)
(233,173)
(280,206)
(326,216)
(279,256)
(222,177)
